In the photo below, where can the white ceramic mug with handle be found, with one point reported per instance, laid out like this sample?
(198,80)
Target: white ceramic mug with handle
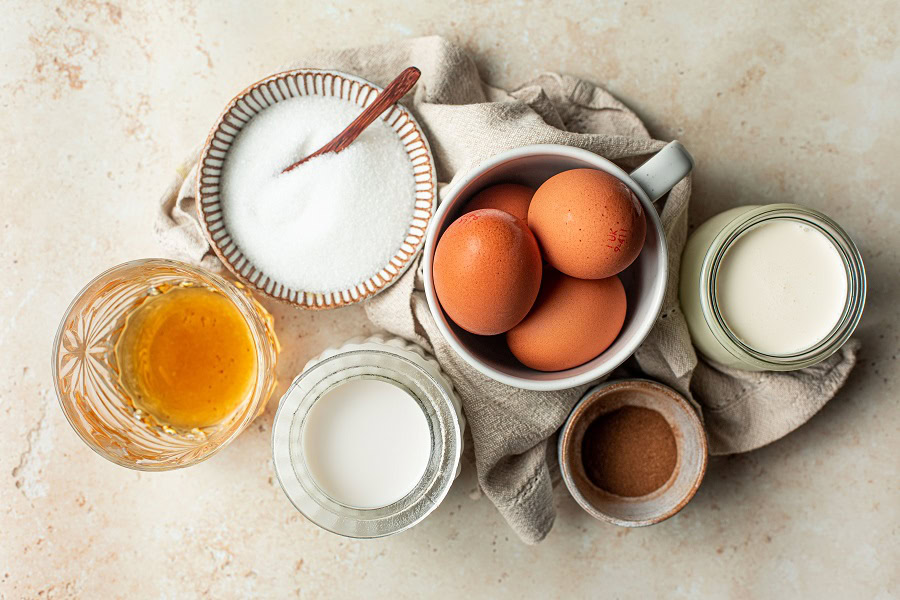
(644,281)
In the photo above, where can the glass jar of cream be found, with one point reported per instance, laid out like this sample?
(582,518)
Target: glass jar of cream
(367,440)
(776,287)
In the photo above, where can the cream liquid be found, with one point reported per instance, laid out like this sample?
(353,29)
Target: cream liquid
(367,443)
(781,287)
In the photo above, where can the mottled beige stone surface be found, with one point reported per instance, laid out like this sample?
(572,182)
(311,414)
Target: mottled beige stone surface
(795,101)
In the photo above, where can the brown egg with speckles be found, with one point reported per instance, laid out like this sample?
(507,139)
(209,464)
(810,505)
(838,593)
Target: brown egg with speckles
(487,271)
(508,197)
(589,223)
(572,322)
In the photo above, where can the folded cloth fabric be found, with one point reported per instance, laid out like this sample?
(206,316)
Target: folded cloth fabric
(468,121)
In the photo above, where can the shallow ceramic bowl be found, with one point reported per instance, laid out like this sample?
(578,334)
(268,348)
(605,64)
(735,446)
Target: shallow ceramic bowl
(644,280)
(308,82)
(690,440)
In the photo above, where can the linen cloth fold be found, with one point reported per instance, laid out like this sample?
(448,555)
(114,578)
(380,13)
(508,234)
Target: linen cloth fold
(466,122)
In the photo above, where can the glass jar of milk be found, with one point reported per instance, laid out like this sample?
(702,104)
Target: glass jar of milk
(776,287)
(367,440)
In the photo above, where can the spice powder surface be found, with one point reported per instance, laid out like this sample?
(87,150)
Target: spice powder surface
(630,451)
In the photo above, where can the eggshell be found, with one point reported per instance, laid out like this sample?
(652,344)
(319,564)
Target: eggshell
(572,321)
(589,223)
(508,197)
(487,271)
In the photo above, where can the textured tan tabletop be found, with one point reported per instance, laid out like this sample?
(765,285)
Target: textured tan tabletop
(796,101)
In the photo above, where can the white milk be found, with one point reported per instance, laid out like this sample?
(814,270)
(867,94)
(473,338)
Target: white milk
(781,287)
(367,443)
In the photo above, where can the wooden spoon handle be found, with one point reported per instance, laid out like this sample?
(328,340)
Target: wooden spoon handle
(391,94)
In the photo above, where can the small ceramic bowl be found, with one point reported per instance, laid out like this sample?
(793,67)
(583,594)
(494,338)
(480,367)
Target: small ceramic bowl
(644,280)
(309,82)
(690,440)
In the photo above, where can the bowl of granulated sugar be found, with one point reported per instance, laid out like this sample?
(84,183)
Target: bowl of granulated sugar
(337,229)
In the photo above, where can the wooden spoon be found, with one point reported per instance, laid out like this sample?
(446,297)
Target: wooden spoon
(391,94)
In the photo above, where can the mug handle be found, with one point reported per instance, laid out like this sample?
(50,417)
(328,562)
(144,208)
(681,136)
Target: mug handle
(664,169)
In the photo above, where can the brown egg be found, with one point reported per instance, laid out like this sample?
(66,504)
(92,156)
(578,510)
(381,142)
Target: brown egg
(508,197)
(572,322)
(487,271)
(588,223)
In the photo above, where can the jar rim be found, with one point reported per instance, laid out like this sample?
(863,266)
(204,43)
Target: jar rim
(853,307)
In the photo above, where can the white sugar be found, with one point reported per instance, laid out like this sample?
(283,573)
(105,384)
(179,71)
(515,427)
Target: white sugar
(330,223)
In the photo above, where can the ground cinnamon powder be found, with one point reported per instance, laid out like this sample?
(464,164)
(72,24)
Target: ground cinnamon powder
(630,451)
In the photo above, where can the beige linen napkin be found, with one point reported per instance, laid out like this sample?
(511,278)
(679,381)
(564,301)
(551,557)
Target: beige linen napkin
(468,121)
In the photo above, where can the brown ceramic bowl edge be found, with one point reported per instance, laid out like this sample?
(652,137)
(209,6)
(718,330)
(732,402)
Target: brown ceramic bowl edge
(593,395)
